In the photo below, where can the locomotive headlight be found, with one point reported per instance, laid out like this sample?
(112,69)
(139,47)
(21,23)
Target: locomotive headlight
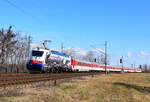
(42,62)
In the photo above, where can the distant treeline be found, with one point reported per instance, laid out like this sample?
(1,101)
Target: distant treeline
(13,51)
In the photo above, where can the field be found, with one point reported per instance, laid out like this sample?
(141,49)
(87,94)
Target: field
(131,87)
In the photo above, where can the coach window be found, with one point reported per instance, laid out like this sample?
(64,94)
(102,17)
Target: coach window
(80,63)
(93,65)
(85,64)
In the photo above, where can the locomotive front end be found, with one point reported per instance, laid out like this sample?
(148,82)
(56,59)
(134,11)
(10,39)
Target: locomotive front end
(37,61)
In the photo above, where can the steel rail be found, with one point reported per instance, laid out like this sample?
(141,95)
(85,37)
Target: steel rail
(38,78)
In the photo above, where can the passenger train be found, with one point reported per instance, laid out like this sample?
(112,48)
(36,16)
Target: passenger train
(45,60)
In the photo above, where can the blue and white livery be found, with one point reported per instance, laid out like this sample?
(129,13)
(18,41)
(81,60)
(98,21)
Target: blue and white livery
(44,60)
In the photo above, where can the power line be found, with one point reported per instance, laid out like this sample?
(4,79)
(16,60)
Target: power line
(105,53)
(22,10)
(99,50)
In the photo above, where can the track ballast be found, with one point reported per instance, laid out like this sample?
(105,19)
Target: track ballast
(17,79)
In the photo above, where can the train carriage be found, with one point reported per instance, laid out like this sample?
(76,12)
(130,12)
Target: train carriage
(79,66)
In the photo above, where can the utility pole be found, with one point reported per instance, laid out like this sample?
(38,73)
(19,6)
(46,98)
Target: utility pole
(105,57)
(121,63)
(131,65)
(62,47)
(29,42)
(105,53)
(134,65)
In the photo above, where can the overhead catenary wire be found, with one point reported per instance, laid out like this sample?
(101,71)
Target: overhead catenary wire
(23,11)
(105,53)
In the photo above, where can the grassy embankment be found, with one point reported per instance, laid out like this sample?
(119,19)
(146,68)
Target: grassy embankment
(110,88)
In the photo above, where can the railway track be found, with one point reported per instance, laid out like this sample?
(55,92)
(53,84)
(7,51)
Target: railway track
(13,74)
(17,79)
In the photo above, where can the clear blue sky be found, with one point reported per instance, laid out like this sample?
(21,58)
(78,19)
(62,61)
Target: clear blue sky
(125,24)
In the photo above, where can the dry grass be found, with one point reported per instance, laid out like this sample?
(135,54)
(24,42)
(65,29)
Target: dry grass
(110,88)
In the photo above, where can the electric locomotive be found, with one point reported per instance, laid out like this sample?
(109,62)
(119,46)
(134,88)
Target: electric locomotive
(45,60)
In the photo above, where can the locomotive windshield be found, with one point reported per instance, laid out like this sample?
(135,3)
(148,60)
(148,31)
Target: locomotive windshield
(37,53)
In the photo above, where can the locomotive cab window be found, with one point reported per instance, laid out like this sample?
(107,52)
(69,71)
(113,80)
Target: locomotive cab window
(37,53)
(67,62)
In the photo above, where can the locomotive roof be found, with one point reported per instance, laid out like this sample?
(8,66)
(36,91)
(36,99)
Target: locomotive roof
(40,49)
(59,54)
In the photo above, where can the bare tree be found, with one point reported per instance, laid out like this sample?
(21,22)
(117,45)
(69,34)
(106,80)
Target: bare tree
(90,56)
(7,43)
(13,50)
